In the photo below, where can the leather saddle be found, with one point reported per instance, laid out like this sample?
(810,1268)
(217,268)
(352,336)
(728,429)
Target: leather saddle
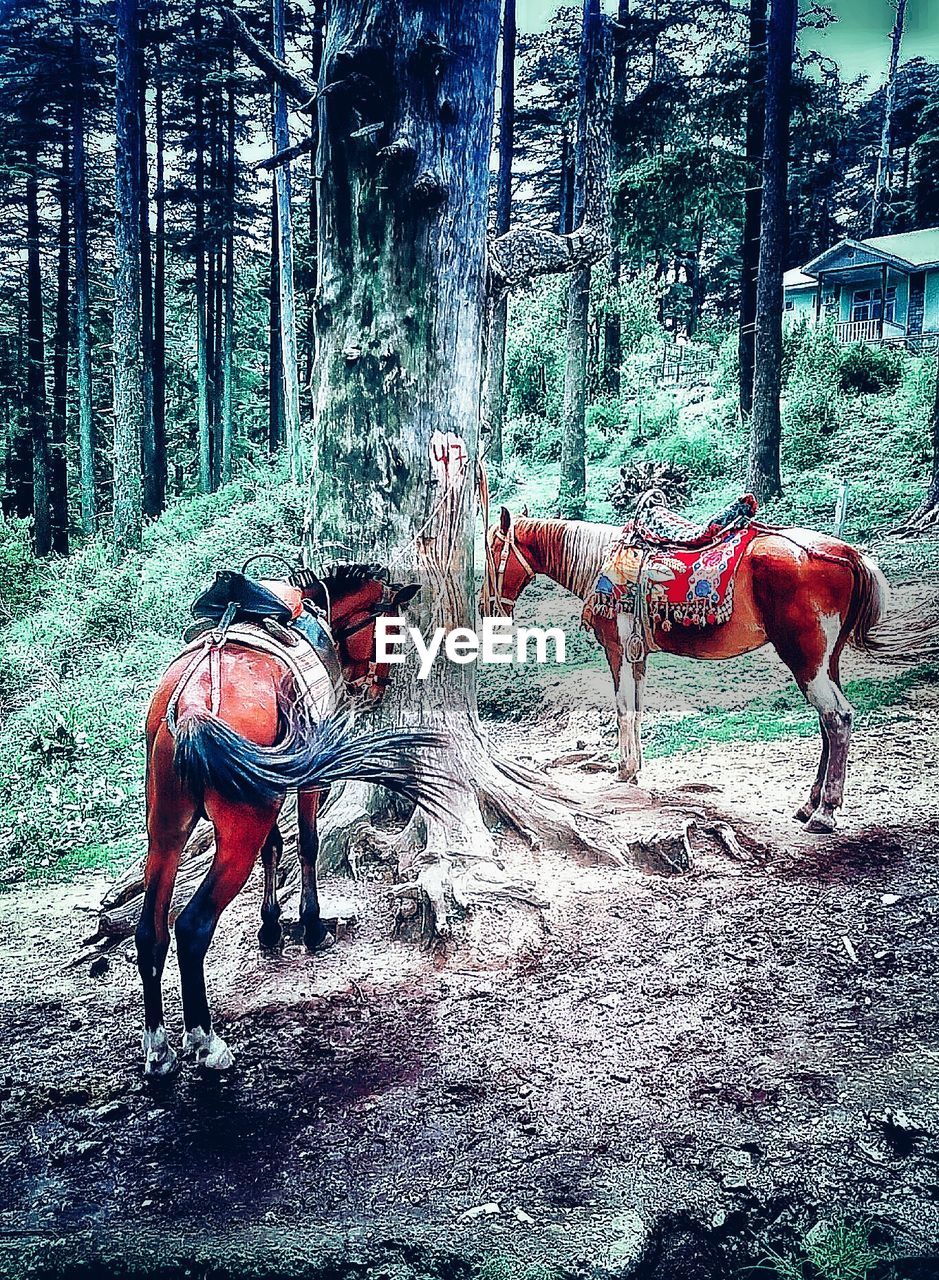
(244,600)
(660,527)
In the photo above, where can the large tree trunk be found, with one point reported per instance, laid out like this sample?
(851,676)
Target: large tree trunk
(86,430)
(58,463)
(593,84)
(750,249)
(882,173)
(765,429)
(288,312)
(36,406)
(497,334)
(128,379)
(158,492)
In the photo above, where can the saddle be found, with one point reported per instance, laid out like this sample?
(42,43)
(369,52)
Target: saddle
(663,570)
(659,526)
(269,615)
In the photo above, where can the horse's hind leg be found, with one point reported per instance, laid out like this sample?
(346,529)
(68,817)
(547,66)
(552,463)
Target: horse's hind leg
(315,934)
(805,811)
(271,933)
(171,815)
(240,831)
(836,715)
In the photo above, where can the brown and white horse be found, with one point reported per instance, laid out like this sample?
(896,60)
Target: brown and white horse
(803,592)
(226,741)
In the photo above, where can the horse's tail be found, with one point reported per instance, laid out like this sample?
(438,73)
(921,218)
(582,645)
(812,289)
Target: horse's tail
(210,755)
(901,635)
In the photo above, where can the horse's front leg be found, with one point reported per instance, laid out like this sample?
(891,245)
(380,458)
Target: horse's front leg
(171,816)
(315,934)
(271,934)
(240,831)
(629,717)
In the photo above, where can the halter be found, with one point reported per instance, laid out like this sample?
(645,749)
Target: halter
(509,545)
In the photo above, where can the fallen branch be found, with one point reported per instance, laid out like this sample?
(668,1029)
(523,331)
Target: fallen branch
(289,155)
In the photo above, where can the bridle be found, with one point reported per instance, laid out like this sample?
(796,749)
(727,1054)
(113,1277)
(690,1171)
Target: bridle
(370,680)
(498,597)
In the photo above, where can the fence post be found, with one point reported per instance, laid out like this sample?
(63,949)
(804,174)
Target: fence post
(841,508)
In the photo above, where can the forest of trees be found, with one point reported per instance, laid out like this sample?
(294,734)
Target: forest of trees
(165,181)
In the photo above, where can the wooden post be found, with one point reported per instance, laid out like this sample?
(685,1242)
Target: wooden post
(841,508)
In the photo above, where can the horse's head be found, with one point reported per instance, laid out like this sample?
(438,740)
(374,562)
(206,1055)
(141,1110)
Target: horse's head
(353,597)
(508,569)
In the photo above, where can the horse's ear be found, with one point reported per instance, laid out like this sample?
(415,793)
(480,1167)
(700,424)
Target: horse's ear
(402,596)
(505,519)
(525,511)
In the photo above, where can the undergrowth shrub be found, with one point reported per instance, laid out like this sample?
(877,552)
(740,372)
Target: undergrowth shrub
(864,369)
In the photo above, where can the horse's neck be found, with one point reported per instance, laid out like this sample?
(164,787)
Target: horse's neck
(572,552)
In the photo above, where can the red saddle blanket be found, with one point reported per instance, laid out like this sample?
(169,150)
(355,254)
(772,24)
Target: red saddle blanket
(689,585)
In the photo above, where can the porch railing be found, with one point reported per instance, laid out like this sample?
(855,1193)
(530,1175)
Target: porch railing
(859,331)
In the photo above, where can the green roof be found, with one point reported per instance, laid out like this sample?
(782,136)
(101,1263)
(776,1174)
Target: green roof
(918,248)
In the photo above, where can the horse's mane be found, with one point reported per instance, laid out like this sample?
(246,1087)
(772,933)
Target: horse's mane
(339,577)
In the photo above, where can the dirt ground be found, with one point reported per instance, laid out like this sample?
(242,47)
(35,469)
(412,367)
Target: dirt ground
(752,1043)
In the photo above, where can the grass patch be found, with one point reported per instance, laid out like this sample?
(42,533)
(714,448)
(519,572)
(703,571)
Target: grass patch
(777,716)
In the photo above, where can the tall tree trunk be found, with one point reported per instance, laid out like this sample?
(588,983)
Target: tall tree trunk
(275,419)
(765,427)
(612,318)
(497,334)
(750,249)
(288,312)
(228,333)
(58,462)
(128,372)
(159,287)
(318,26)
(882,174)
(566,186)
(203,425)
(86,429)
(593,84)
(21,462)
(152,484)
(36,406)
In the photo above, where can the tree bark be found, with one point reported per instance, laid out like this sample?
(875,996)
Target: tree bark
(612,318)
(497,333)
(593,105)
(86,431)
(765,428)
(152,484)
(228,333)
(36,406)
(275,421)
(128,373)
(203,424)
(159,286)
(58,462)
(288,315)
(750,249)
(890,92)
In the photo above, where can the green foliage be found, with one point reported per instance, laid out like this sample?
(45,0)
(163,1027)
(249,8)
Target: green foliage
(866,369)
(20,574)
(835,1250)
(512,1269)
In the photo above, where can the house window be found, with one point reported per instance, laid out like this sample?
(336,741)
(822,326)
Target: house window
(867,304)
(790,304)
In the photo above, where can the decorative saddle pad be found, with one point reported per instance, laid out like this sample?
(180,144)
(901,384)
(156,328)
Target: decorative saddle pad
(685,573)
(316,681)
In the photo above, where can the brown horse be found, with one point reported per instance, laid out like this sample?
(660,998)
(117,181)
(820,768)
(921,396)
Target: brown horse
(803,592)
(227,739)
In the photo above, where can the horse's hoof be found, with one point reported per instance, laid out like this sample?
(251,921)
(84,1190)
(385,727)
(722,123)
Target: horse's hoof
(319,940)
(821,824)
(270,937)
(160,1059)
(804,812)
(207,1049)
